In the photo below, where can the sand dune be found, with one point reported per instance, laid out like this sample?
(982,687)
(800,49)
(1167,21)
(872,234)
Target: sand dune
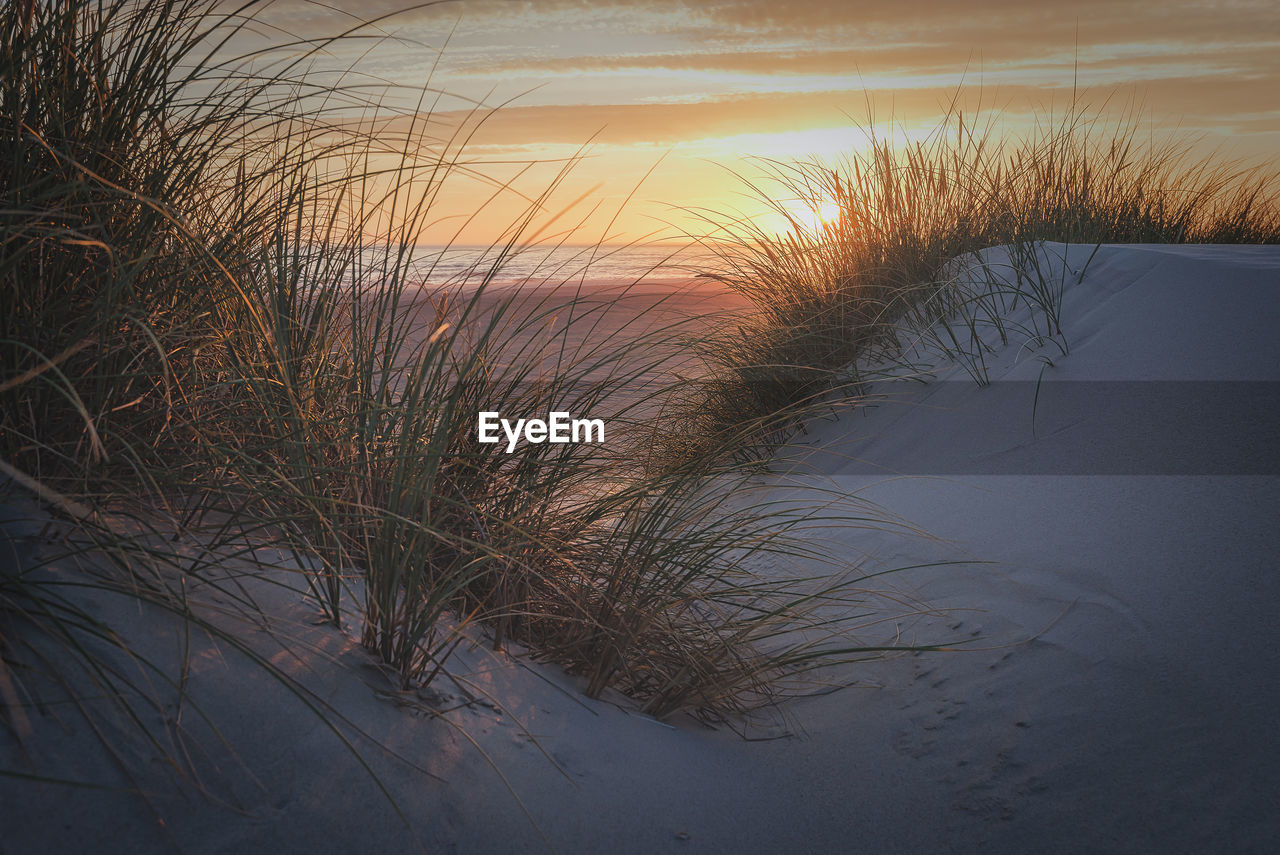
(1110,590)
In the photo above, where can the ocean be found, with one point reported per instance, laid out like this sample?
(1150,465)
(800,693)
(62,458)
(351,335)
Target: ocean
(470,266)
(575,303)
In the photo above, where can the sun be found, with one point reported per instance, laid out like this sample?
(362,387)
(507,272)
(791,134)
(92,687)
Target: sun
(828,212)
(810,215)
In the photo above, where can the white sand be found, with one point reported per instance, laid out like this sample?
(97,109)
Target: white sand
(1120,694)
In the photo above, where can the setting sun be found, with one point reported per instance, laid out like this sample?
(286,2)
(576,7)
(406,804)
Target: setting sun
(805,215)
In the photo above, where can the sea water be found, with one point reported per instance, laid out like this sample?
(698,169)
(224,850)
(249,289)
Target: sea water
(543,266)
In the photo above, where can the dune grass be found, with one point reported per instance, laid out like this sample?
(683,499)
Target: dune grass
(835,300)
(213,327)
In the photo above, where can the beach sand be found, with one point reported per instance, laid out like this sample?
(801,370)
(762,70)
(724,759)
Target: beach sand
(1112,685)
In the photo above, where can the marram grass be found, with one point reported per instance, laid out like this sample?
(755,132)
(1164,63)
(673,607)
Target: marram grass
(854,289)
(212,326)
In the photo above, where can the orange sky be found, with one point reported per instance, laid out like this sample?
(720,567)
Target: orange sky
(691,89)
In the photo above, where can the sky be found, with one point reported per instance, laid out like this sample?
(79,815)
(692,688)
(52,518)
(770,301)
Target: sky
(663,105)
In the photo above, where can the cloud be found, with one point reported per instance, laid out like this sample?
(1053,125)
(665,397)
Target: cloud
(1190,102)
(702,78)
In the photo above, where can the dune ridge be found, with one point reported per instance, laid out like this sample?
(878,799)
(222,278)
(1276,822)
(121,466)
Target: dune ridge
(1111,689)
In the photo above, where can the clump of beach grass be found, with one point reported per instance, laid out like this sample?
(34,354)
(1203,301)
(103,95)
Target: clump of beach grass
(213,326)
(835,295)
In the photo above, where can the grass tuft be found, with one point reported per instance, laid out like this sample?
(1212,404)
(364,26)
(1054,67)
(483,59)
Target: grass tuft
(835,298)
(214,327)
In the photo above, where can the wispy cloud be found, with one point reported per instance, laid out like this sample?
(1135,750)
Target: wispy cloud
(680,75)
